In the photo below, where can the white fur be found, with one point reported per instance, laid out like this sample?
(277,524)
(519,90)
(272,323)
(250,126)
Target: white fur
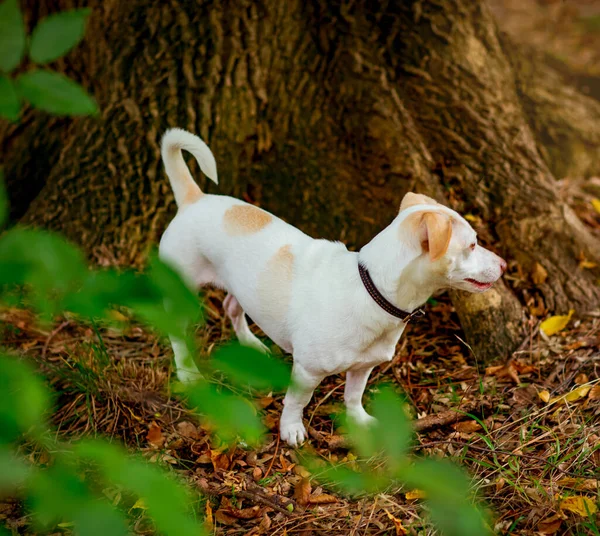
(331,323)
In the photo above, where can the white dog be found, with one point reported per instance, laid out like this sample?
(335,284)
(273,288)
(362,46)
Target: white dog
(333,309)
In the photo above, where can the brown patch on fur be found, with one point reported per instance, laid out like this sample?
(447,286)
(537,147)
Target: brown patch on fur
(192,194)
(275,282)
(245,219)
(411,199)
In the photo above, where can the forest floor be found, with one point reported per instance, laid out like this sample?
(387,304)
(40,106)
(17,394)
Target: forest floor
(528,431)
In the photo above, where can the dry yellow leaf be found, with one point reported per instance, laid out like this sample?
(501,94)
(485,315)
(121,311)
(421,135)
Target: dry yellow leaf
(539,274)
(595,392)
(579,392)
(209,515)
(554,324)
(573,396)
(596,205)
(544,395)
(471,218)
(581,484)
(140,504)
(400,530)
(415,494)
(579,505)
(587,264)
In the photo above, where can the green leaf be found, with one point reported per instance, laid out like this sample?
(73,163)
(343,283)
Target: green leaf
(13,471)
(24,399)
(55,93)
(99,519)
(183,303)
(12,35)
(3,201)
(448,497)
(230,415)
(248,366)
(393,428)
(352,482)
(10,106)
(164,498)
(55,35)
(391,434)
(51,266)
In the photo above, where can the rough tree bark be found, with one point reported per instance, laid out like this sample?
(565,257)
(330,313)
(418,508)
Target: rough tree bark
(325,113)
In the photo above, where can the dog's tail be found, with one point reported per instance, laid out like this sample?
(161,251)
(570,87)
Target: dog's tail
(185,189)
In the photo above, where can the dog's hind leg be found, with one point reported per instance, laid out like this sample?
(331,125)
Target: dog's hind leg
(240,324)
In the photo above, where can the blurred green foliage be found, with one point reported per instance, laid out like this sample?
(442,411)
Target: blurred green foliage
(51,39)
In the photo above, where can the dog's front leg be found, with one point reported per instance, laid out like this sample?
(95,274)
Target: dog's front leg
(356,381)
(297,397)
(187,371)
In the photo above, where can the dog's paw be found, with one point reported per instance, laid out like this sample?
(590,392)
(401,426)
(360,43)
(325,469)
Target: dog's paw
(257,345)
(362,418)
(294,434)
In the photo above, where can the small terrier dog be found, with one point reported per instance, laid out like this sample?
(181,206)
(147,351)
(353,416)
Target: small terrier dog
(334,310)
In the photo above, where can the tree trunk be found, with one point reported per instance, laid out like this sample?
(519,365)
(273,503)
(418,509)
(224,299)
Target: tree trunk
(325,115)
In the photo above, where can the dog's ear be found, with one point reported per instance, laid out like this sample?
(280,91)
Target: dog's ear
(438,229)
(411,199)
(434,231)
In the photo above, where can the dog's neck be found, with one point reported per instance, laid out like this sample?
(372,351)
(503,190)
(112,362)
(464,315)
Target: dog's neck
(397,272)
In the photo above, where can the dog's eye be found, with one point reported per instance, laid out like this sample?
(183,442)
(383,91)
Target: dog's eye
(473,246)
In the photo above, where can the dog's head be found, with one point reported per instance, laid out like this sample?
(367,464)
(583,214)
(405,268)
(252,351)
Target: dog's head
(449,253)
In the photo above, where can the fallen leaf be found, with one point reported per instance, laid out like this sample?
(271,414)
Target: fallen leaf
(503,371)
(302,492)
(118,316)
(580,484)
(154,436)
(139,504)
(582,378)
(204,458)
(322,498)
(265,401)
(594,393)
(415,494)
(596,205)
(579,505)
(209,515)
(187,429)
(223,516)
(257,474)
(579,392)
(539,274)
(400,530)
(467,427)
(220,460)
(245,513)
(549,525)
(576,394)
(587,264)
(554,324)
(544,395)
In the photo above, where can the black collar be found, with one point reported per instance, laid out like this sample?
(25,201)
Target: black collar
(380,300)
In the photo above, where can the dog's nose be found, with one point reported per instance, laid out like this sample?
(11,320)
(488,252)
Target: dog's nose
(503,265)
